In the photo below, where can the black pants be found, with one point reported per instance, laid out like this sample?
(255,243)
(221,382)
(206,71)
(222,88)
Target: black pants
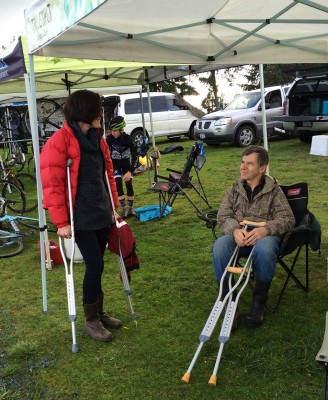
(128,185)
(92,245)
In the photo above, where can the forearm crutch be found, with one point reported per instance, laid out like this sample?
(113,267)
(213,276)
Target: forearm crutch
(213,317)
(231,311)
(69,270)
(126,284)
(219,304)
(124,275)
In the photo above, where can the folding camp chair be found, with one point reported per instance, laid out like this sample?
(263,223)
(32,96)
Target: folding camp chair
(168,188)
(299,238)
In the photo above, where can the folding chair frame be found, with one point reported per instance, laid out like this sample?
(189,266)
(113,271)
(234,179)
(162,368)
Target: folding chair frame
(171,187)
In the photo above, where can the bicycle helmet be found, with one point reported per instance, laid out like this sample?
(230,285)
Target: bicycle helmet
(117,123)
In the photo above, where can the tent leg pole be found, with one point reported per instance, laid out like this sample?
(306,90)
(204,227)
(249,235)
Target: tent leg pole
(31,97)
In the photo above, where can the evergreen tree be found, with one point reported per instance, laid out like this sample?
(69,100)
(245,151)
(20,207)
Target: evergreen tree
(211,101)
(274,74)
(178,85)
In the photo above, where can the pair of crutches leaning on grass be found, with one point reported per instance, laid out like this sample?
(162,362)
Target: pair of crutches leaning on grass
(228,298)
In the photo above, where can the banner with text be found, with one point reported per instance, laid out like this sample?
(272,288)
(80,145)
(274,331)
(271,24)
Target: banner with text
(13,65)
(46,19)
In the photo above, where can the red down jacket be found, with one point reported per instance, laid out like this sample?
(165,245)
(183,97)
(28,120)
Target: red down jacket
(60,147)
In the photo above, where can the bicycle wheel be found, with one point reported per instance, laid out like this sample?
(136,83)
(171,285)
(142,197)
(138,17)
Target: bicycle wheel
(50,117)
(27,183)
(10,247)
(33,223)
(31,165)
(14,195)
(10,118)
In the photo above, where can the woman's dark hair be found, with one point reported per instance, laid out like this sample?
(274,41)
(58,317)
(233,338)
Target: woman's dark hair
(262,154)
(83,105)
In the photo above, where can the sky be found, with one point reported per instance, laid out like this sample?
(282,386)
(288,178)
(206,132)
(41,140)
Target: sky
(12,19)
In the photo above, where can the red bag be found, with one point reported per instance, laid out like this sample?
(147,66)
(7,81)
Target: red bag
(121,238)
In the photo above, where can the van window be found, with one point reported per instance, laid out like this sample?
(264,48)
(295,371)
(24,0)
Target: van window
(174,105)
(133,106)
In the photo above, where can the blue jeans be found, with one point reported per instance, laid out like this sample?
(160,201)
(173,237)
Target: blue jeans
(265,255)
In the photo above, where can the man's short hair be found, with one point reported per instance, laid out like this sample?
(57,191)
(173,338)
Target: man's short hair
(262,154)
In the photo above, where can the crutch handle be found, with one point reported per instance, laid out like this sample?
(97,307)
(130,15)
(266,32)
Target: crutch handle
(252,223)
(236,270)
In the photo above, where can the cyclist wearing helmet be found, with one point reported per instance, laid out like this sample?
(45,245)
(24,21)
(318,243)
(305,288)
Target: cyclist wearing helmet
(125,159)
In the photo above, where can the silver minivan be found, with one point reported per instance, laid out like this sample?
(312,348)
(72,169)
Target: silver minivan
(170,117)
(240,122)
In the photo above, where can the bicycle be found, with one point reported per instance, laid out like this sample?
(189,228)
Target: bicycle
(14,196)
(50,116)
(14,228)
(24,181)
(10,118)
(13,153)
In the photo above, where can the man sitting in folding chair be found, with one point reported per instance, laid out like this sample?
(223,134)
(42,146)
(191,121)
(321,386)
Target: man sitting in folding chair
(255,197)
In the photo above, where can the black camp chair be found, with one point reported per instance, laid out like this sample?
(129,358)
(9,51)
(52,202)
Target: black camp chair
(178,182)
(299,238)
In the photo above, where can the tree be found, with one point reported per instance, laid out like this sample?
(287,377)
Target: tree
(178,85)
(211,101)
(274,74)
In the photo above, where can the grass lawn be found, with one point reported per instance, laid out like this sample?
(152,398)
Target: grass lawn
(173,294)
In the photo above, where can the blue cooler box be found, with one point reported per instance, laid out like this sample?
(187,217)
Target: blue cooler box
(151,212)
(325,107)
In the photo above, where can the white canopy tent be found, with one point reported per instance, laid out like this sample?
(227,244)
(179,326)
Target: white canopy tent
(196,32)
(193,32)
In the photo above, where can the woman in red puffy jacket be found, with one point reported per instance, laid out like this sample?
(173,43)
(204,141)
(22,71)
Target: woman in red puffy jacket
(81,140)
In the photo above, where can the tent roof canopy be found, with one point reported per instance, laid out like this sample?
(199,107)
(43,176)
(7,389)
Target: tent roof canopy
(199,32)
(54,76)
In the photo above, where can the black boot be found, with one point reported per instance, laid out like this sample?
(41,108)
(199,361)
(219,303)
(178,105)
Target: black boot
(260,296)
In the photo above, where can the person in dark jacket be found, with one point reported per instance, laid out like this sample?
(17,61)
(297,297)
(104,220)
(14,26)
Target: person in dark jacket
(255,197)
(125,161)
(81,140)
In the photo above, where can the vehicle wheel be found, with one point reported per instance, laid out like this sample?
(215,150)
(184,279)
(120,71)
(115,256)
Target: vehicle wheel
(245,136)
(192,131)
(137,136)
(306,137)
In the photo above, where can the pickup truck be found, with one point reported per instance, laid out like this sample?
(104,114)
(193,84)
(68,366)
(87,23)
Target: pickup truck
(306,108)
